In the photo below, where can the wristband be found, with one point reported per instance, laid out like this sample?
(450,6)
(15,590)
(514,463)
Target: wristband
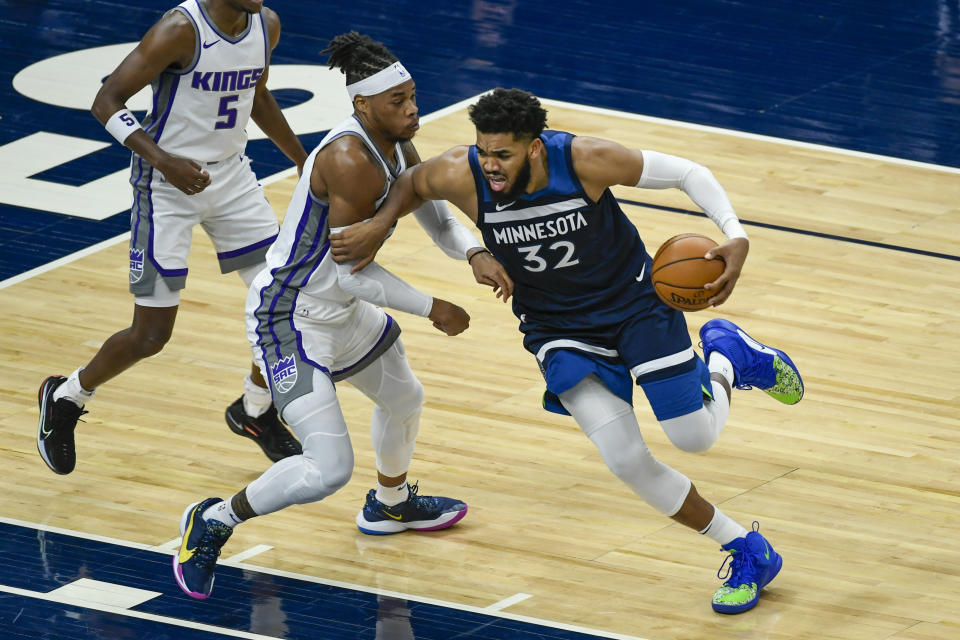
(476,253)
(121,124)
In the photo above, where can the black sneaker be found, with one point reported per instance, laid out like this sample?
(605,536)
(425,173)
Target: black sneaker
(55,430)
(266,430)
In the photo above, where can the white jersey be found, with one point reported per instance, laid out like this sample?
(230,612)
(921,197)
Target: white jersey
(299,260)
(200,112)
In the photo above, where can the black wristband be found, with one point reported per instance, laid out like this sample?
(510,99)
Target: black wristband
(475,254)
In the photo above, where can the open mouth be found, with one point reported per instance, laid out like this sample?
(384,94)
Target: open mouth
(496,181)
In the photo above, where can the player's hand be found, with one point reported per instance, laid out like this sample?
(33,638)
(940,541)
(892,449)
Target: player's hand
(488,270)
(733,252)
(360,241)
(448,317)
(185,175)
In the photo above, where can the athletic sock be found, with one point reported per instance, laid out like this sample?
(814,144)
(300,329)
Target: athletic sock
(722,529)
(392,496)
(256,399)
(72,391)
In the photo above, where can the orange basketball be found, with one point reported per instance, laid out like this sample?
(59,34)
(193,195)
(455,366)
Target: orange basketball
(680,271)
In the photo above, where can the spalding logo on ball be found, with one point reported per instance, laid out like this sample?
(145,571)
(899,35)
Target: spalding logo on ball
(680,271)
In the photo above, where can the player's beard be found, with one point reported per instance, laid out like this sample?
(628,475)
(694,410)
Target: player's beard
(519,185)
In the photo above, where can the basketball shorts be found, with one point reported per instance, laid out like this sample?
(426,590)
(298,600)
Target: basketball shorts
(653,348)
(336,339)
(233,211)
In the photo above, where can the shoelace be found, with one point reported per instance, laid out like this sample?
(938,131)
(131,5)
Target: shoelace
(66,415)
(208,547)
(739,571)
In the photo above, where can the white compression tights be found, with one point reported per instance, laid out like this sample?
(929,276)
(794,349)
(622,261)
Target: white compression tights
(697,431)
(327,460)
(611,425)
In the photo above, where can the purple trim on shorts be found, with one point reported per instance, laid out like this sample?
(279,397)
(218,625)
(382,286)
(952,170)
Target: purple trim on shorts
(136,199)
(362,360)
(226,255)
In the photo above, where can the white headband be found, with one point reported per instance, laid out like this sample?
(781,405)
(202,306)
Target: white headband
(379,82)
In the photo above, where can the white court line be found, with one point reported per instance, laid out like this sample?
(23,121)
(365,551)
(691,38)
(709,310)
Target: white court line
(167,547)
(249,553)
(508,602)
(86,604)
(306,578)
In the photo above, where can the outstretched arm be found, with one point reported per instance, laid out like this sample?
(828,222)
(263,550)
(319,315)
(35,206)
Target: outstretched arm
(601,164)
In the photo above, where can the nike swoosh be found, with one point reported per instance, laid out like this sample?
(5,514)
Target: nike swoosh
(640,277)
(391,516)
(186,554)
(502,207)
(207,46)
(756,345)
(766,551)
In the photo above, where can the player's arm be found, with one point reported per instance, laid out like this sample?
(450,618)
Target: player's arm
(266,112)
(352,183)
(458,242)
(171,42)
(602,163)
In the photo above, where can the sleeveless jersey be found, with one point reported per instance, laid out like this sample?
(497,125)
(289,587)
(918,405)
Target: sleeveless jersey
(575,263)
(299,258)
(200,112)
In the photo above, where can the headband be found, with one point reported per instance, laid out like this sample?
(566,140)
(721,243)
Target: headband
(379,82)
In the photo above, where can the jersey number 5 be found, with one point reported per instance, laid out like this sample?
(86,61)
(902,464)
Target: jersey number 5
(228,112)
(537,263)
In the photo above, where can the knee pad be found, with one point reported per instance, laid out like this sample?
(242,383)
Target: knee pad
(694,432)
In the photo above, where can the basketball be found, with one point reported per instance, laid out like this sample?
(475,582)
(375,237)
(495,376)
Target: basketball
(680,271)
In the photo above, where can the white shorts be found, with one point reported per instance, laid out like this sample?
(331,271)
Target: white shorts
(337,339)
(232,210)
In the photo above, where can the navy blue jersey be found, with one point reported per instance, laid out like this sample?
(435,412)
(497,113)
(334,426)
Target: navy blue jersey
(575,263)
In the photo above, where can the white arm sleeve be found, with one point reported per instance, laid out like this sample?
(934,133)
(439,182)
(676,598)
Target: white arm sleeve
(376,285)
(662,171)
(445,230)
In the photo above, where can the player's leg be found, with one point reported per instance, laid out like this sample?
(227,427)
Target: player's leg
(323,468)
(611,425)
(242,226)
(395,505)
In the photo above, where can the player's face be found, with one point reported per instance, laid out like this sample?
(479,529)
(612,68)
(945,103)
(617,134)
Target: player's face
(505,161)
(394,112)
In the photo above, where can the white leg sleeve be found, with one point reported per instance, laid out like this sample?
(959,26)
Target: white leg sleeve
(398,395)
(611,425)
(697,431)
(327,460)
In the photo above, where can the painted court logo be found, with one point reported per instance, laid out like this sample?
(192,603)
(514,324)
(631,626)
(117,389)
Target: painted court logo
(284,374)
(136,265)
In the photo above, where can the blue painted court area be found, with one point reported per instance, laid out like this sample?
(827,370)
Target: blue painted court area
(878,77)
(63,587)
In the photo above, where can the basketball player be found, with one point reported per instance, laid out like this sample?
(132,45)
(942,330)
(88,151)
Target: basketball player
(311,322)
(207,61)
(587,309)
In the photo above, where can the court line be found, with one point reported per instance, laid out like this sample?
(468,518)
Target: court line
(508,602)
(86,604)
(296,576)
(805,232)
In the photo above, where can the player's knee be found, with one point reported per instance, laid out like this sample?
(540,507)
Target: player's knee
(326,475)
(407,401)
(689,434)
(626,459)
(149,343)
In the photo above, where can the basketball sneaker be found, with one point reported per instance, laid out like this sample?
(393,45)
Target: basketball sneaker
(194,565)
(753,564)
(754,364)
(266,430)
(58,419)
(423,513)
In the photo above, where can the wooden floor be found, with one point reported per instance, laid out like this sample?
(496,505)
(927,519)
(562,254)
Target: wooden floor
(858,486)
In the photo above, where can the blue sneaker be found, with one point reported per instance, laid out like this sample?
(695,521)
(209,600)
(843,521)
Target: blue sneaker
(753,564)
(754,364)
(193,567)
(423,513)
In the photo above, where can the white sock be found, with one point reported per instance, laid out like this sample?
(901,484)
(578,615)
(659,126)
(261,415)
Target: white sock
(720,364)
(392,496)
(222,512)
(722,529)
(256,399)
(72,391)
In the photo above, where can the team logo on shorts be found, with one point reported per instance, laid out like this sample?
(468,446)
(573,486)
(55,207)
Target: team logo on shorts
(136,265)
(284,374)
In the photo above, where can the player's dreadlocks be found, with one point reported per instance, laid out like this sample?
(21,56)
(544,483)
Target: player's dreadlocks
(358,55)
(509,111)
